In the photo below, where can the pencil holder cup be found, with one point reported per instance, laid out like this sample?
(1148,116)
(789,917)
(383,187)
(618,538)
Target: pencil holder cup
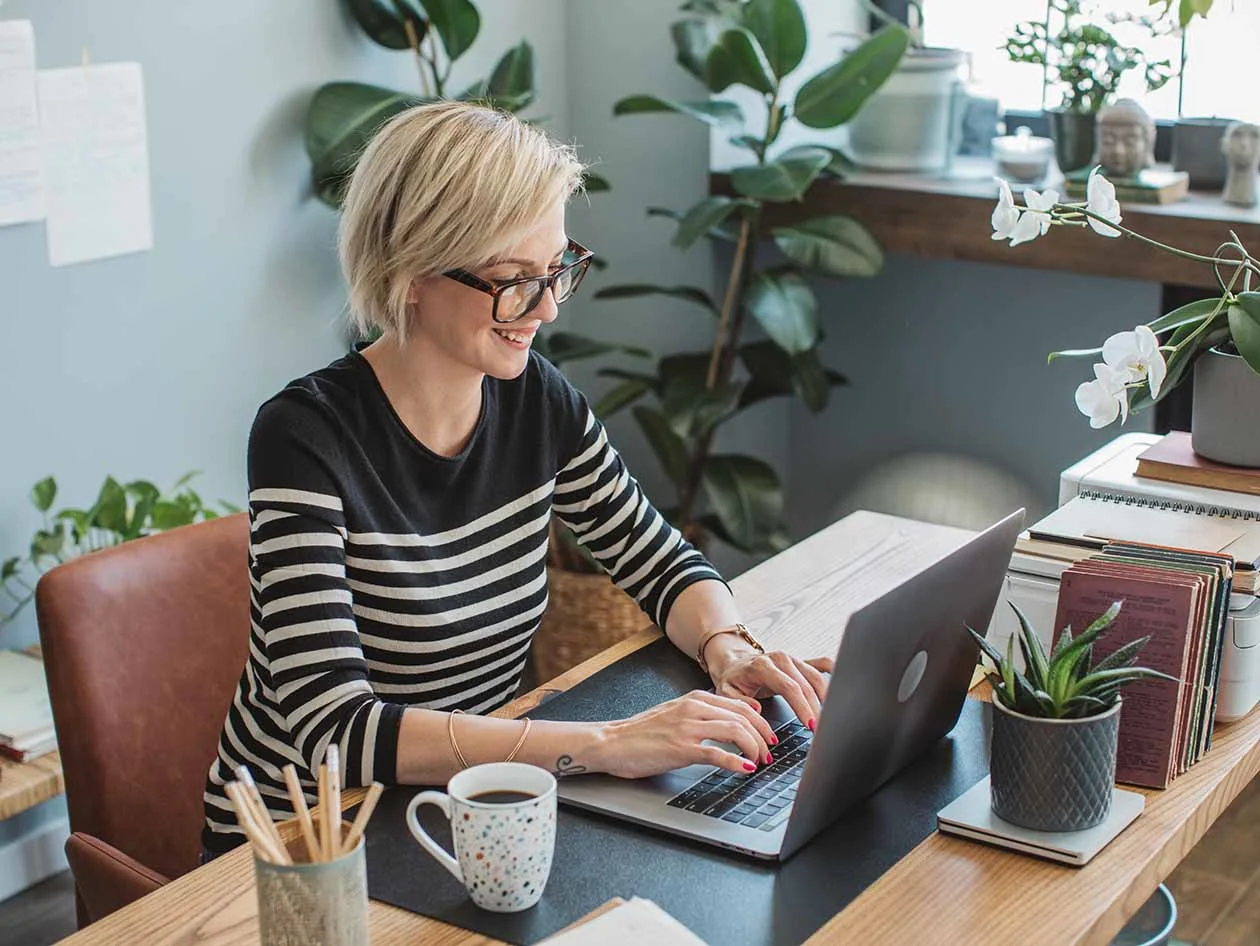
(313,904)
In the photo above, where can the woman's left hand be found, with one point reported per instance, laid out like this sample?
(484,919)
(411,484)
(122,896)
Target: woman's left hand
(749,675)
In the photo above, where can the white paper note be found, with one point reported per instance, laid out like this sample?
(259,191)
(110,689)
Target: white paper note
(637,922)
(96,158)
(21,163)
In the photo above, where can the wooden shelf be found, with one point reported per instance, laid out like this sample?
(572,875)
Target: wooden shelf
(24,785)
(948,218)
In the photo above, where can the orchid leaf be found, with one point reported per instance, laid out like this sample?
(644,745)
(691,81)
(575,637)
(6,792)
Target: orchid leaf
(1190,313)
(1244,328)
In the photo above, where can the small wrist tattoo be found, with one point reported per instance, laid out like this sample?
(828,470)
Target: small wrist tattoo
(565,766)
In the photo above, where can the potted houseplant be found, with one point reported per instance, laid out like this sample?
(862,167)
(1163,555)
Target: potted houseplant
(1219,337)
(121,512)
(1084,62)
(910,124)
(343,116)
(1056,725)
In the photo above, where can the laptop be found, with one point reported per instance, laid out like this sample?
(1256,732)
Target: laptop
(902,672)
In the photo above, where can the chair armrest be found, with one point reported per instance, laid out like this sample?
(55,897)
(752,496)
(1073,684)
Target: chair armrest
(105,877)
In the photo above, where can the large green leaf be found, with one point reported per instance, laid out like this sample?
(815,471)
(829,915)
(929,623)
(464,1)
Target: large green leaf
(833,246)
(785,306)
(775,373)
(110,511)
(837,93)
(594,183)
(785,179)
(692,42)
(634,290)
(745,495)
(1244,327)
(457,22)
(703,216)
(384,21)
(511,83)
(694,410)
(340,121)
(736,60)
(711,112)
(779,27)
(559,347)
(667,445)
(44,493)
(620,396)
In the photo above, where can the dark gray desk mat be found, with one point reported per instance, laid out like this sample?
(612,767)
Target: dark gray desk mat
(723,897)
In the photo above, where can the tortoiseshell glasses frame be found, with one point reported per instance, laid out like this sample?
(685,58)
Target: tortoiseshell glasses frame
(516,298)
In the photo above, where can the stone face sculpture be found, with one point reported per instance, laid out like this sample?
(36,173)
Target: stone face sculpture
(1126,138)
(1241,145)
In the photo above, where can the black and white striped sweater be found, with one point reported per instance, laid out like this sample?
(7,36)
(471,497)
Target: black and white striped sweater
(385,575)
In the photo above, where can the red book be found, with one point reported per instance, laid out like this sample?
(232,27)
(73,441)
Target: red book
(1173,460)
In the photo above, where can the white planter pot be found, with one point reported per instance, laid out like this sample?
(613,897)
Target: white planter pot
(910,123)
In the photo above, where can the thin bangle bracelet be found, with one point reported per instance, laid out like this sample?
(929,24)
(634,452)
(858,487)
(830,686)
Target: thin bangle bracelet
(520,742)
(450,733)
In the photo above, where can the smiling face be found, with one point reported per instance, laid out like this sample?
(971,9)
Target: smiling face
(454,321)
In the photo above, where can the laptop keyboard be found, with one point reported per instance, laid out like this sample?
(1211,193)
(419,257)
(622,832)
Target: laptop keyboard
(759,799)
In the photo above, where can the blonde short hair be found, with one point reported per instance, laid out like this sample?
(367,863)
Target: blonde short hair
(443,186)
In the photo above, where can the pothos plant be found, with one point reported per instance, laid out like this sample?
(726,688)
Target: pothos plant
(343,116)
(681,403)
(121,512)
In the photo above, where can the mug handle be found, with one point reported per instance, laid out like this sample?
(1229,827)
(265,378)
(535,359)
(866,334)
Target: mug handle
(443,801)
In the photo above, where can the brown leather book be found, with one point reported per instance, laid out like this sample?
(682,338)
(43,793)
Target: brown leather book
(1173,460)
(1152,717)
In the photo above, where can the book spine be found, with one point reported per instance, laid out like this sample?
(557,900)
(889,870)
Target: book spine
(1171,505)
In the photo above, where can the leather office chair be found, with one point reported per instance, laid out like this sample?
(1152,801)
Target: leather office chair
(143,645)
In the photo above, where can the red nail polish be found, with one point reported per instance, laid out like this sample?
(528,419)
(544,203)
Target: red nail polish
(769,759)
(811,725)
(750,766)
(774,740)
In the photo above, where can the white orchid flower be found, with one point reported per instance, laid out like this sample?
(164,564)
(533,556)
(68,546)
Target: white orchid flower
(1035,221)
(1100,196)
(1136,356)
(1005,214)
(1103,399)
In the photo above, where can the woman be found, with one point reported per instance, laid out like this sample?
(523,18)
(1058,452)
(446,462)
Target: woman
(399,502)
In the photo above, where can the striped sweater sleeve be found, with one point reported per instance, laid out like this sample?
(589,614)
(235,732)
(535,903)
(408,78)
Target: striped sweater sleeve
(318,676)
(598,499)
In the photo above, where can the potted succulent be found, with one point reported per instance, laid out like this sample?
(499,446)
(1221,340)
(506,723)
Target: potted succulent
(1056,725)
(912,119)
(1218,336)
(1085,63)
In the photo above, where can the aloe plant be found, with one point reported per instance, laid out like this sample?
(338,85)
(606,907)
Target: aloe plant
(343,116)
(1064,684)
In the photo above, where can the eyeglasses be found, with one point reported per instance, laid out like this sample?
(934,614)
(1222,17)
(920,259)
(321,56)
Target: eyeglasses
(516,298)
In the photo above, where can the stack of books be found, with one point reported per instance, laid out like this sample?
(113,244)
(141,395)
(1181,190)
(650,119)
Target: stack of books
(1179,600)
(26,722)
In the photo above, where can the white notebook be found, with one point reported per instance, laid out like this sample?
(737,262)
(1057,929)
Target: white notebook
(636,922)
(971,816)
(25,713)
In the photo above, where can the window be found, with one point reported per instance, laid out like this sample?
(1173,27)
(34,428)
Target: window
(1218,75)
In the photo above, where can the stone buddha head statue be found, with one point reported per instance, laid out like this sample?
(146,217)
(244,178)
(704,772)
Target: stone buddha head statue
(1241,145)
(1126,138)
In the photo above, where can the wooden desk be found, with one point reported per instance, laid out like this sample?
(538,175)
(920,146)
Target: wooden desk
(926,216)
(945,891)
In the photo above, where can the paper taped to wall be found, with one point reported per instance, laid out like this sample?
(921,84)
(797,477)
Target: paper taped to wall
(21,162)
(96,157)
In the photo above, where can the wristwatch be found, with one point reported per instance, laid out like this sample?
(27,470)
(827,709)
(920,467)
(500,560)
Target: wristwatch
(740,629)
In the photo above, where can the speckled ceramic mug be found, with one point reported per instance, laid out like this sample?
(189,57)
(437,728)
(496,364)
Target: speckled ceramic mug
(503,849)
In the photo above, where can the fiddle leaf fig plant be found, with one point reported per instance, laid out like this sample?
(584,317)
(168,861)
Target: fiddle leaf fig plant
(343,116)
(122,511)
(681,404)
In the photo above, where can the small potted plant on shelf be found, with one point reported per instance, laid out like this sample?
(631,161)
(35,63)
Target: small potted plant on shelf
(1084,62)
(1219,336)
(1056,725)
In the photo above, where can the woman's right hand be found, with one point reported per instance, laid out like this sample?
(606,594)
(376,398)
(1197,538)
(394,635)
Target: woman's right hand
(673,735)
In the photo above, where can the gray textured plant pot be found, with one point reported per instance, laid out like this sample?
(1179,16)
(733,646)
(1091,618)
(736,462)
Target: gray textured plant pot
(1053,774)
(1225,419)
(1073,134)
(1196,149)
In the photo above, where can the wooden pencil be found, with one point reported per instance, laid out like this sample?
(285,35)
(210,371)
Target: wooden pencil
(298,798)
(365,812)
(262,843)
(334,799)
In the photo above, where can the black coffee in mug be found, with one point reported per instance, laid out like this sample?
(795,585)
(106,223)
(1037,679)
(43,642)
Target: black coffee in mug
(501,798)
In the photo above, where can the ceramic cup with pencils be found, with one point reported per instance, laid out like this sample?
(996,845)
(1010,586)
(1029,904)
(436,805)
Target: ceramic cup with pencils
(311,883)
(503,823)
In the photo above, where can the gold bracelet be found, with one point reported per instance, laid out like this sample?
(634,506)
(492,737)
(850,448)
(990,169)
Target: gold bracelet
(450,734)
(739,629)
(520,742)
